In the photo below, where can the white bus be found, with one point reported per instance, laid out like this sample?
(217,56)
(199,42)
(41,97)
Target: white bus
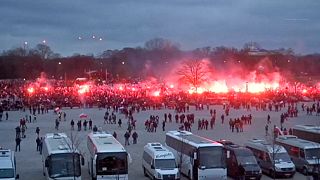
(159,163)
(308,132)
(272,158)
(7,165)
(197,157)
(304,154)
(61,160)
(107,157)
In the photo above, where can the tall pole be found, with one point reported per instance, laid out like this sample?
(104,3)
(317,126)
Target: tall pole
(106,75)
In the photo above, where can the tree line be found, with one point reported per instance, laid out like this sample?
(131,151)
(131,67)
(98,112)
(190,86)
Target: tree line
(153,59)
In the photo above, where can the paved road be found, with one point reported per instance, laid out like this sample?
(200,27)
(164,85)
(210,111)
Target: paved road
(29,163)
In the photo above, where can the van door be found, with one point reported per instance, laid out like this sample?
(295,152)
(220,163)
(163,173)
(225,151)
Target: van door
(234,164)
(264,161)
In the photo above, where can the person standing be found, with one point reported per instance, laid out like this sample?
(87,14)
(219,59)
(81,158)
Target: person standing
(18,132)
(135,137)
(266,128)
(57,124)
(95,129)
(126,136)
(72,124)
(119,122)
(7,116)
(90,124)
(18,141)
(40,146)
(38,141)
(163,126)
(38,131)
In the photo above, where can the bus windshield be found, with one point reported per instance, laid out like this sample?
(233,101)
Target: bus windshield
(6,173)
(312,153)
(281,157)
(211,157)
(165,163)
(112,163)
(64,165)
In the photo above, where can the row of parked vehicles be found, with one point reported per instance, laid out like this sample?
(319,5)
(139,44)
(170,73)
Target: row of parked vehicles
(193,156)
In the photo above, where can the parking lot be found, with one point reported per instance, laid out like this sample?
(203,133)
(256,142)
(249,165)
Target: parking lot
(29,163)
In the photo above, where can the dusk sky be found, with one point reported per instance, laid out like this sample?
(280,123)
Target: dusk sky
(191,23)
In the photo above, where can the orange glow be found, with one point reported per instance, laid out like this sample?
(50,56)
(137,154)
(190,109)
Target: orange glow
(83,89)
(156,93)
(304,91)
(219,87)
(121,88)
(30,90)
(171,86)
(46,88)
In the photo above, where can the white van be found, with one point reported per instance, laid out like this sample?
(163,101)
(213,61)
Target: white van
(305,154)
(273,159)
(159,163)
(7,165)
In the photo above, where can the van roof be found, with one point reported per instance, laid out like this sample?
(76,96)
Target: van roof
(297,142)
(158,151)
(6,158)
(263,145)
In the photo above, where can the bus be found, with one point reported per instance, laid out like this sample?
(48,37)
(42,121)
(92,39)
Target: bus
(307,132)
(238,155)
(272,158)
(107,159)
(304,154)
(61,160)
(197,157)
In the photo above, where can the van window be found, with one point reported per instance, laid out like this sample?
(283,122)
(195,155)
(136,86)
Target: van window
(165,163)
(281,157)
(313,153)
(6,173)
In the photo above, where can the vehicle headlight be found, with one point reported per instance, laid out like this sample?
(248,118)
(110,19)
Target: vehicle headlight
(159,175)
(277,168)
(178,174)
(260,171)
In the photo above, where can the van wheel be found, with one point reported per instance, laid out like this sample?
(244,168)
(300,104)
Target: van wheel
(145,172)
(271,173)
(304,171)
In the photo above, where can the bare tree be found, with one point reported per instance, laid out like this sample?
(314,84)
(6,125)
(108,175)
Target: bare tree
(193,72)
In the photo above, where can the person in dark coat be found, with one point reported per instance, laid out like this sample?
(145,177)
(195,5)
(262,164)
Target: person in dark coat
(135,137)
(18,141)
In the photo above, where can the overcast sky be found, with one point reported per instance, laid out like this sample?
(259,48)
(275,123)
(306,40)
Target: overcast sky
(191,23)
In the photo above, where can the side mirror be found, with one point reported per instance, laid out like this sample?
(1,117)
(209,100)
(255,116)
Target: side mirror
(129,159)
(82,160)
(152,166)
(17,176)
(46,163)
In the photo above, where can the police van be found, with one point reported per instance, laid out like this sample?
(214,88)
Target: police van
(159,163)
(305,154)
(7,165)
(272,158)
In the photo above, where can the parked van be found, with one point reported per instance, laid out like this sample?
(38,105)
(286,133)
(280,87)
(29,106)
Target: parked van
(159,163)
(272,158)
(7,165)
(237,155)
(304,154)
